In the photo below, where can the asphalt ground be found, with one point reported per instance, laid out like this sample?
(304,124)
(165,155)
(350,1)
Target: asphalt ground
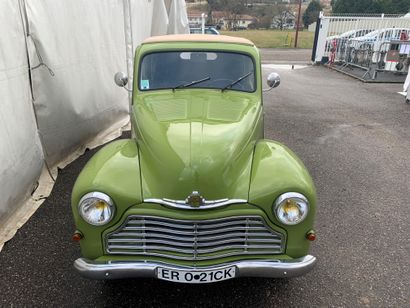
(285,55)
(369,74)
(355,140)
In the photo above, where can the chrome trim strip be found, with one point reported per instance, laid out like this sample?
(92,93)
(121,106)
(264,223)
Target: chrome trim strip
(197,250)
(132,236)
(188,226)
(181,204)
(193,231)
(251,268)
(145,254)
(189,244)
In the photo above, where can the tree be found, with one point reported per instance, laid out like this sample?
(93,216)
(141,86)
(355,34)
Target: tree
(264,20)
(213,5)
(371,6)
(280,15)
(232,11)
(312,12)
(263,14)
(233,8)
(353,6)
(393,6)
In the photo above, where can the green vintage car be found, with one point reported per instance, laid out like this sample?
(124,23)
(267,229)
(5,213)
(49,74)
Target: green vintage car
(197,195)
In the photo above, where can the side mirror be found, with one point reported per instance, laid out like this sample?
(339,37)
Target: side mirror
(273,80)
(121,79)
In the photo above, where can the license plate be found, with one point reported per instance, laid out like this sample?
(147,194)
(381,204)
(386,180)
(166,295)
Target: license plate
(196,276)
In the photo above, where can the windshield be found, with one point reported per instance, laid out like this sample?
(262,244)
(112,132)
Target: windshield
(197,69)
(348,33)
(372,34)
(356,33)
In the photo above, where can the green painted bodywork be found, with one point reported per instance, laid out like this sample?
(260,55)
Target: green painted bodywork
(189,140)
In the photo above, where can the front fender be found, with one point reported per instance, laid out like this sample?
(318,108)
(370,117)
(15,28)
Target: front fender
(114,170)
(276,170)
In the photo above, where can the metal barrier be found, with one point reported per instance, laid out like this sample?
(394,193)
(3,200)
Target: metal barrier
(343,28)
(364,42)
(390,57)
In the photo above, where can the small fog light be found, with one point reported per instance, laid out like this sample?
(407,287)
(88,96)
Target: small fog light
(77,236)
(311,235)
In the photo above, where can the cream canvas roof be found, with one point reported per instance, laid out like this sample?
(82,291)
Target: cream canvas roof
(211,38)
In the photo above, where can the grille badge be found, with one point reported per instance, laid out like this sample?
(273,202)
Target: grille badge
(195,199)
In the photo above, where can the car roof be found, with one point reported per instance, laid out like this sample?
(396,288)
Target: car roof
(375,32)
(388,29)
(201,28)
(203,38)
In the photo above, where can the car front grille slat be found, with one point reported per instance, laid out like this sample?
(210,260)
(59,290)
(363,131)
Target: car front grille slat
(161,224)
(194,239)
(190,227)
(186,244)
(190,239)
(192,232)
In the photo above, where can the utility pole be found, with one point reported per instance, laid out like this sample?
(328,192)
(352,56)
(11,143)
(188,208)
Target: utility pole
(297,24)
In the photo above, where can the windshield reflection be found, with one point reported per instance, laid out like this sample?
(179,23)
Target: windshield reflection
(186,69)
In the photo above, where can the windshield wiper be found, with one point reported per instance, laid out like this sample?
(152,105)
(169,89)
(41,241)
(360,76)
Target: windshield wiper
(185,85)
(236,81)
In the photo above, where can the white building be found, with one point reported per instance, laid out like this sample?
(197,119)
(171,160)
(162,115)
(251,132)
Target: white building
(229,21)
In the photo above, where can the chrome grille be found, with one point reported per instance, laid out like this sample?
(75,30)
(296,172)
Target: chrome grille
(194,239)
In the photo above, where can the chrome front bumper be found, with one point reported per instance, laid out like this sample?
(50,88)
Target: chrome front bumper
(269,269)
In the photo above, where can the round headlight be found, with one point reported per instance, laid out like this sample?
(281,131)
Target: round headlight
(291,208)
(96,208)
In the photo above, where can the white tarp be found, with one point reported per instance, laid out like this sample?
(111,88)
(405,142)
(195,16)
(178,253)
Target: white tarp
(178,19)
(82,43)
(21,155)
(159,24)
(69,101)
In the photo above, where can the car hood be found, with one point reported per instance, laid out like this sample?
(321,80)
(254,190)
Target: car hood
(196,140)
(363,39)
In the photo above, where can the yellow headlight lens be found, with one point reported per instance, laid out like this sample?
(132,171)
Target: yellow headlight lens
(101,205)
(96,208)
(291,208)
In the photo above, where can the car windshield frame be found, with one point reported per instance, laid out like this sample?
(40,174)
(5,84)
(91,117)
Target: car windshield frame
(200,85)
